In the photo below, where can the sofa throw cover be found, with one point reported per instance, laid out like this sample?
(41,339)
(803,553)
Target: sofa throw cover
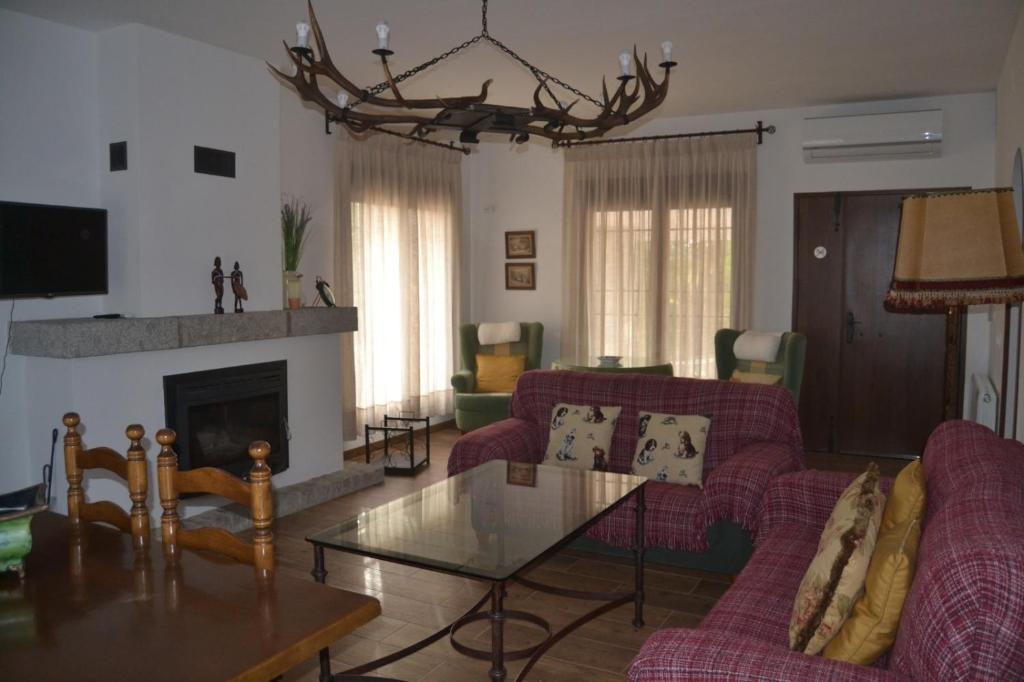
(670,448)
(580,436)
(835,579)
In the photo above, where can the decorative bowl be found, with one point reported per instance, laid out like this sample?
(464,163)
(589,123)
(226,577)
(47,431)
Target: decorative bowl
(16,511)
(609,360)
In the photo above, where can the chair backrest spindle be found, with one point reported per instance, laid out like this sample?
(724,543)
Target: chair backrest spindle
(132,470)
(256,495)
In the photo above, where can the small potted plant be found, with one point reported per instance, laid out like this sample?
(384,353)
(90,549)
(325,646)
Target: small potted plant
(295,218)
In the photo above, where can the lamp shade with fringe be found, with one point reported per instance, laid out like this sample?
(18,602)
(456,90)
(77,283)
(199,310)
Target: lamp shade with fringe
(957,249)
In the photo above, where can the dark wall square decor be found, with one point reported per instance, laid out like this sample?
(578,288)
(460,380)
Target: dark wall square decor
(520,276)
(522,244)
(119,156)
(214,161)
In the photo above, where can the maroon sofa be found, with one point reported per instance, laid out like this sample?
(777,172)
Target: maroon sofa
(754,437)
(964,615)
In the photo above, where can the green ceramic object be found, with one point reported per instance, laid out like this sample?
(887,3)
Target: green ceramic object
(16,511)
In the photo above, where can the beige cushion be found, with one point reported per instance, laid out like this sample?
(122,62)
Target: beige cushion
(758,346)
(670,448)
(755,378)
(580,436)
(835,579)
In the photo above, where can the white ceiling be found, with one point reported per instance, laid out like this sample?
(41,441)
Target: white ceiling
(733,55)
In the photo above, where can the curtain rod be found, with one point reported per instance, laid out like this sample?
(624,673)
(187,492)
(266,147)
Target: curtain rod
(760,130)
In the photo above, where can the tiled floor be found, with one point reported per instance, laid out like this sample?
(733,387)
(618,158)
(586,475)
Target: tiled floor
(418,602)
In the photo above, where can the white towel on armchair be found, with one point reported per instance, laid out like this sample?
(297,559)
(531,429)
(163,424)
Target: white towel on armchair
(490,333)
(757,346)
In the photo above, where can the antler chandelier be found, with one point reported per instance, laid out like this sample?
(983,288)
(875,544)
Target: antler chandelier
(471,115)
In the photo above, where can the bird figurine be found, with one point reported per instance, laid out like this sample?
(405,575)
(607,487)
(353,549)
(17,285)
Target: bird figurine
(326,295)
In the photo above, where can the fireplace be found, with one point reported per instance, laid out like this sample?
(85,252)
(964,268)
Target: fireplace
(217,413)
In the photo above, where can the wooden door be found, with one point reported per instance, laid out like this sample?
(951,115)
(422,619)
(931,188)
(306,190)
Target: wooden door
(873,381)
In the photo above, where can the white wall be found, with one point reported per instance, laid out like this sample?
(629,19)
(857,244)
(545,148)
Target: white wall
(49,153)
(522,189)
(514,188)
(162,94)
(165,94)
(1009,138)
(307,174)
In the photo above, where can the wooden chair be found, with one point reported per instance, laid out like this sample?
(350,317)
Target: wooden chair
(132,469)
(255,495)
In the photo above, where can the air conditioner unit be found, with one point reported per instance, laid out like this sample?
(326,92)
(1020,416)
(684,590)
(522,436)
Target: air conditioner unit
(903,135)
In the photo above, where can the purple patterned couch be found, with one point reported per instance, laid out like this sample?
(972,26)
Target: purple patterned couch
(964,615)
(754,437)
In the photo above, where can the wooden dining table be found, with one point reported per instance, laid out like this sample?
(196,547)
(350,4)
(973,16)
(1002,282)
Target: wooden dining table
(90,607)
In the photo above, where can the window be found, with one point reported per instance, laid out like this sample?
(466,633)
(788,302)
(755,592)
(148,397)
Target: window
(657,249)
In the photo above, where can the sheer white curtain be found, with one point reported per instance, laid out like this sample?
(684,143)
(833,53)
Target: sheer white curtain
(658,248)
(399,220)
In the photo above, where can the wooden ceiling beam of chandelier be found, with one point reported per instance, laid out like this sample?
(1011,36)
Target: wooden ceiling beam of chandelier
(417,118)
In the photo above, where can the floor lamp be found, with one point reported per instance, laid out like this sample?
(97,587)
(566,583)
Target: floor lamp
(957,249)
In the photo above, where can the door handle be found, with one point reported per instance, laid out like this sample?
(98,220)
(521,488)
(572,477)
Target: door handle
(851,326)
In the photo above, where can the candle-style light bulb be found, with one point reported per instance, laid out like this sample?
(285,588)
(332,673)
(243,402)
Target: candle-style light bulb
(624,61)
(383,30)
(342,99)
(666,51)
(302,34)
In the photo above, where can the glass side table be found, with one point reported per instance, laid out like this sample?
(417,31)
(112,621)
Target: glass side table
(400,454)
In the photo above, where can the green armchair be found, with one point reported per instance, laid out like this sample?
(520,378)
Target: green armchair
(789,363)
(473,410)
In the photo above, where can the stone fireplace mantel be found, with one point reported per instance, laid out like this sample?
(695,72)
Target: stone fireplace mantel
(90,337)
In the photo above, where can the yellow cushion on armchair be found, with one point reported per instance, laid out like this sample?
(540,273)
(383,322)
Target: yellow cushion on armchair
(498,373)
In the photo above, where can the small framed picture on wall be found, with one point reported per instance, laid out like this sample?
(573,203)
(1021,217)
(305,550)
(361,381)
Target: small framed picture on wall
(522,244)
(520,276)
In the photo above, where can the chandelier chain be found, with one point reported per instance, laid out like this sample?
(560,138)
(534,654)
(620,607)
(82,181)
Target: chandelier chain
(384,85)
(542,76)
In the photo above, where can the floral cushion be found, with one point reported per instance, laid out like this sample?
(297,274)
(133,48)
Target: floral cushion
(581,435)
(670,448)
(835,579)
(871,629)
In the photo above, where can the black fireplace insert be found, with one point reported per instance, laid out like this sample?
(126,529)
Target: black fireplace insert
(217,413)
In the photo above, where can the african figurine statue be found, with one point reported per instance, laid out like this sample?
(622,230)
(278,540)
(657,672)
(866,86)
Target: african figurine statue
(217,279)
(238,288)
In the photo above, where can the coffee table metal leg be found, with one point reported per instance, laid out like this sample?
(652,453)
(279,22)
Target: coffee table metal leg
(320,575)
(641,508)
(497,617)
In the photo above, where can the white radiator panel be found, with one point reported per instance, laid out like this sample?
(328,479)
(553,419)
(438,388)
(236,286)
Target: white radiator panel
(984,401)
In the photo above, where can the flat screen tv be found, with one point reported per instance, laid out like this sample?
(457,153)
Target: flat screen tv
(48,251)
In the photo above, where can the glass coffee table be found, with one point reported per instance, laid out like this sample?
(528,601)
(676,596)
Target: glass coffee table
(491,524)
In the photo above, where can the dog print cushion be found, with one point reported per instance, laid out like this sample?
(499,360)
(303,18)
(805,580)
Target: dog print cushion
(581,436)
(670,448)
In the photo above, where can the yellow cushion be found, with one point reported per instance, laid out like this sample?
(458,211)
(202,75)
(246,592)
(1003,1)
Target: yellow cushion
(498,373)
(755,378)
(871,628)
(835,579)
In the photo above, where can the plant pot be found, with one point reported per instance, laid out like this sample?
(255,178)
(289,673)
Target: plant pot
(293,289)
